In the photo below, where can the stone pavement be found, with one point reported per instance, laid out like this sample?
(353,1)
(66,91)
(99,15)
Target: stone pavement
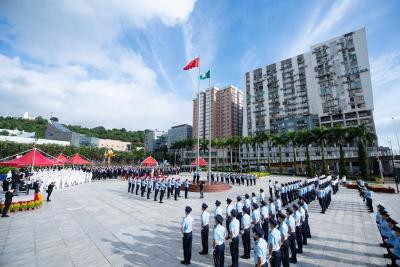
(100,224)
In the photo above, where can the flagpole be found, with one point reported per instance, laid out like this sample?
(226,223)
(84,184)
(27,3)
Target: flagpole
(198,120)
(209,145)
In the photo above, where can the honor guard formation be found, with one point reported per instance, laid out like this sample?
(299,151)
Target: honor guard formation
(278,223)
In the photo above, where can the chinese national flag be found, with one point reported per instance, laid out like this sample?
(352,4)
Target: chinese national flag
(192,64)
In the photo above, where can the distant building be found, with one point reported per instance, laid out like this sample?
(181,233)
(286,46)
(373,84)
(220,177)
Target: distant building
(57,131)
(149,141)
(19,133)
(27,140)
(114,145)
(179,133)
(226,106)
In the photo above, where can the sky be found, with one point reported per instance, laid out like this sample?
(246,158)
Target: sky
(119,63)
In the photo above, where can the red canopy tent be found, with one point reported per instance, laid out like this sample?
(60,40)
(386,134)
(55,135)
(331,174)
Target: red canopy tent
(32,158)
(77,160)
(149,161)
(202,162)
(61,158)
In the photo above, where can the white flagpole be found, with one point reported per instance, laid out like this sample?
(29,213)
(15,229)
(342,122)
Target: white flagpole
(209,130)
(198,119)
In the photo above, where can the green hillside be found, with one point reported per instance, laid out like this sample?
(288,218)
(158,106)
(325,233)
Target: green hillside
(39,127)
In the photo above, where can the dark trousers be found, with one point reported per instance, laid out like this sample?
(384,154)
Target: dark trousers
(246,242)
(299,239)
(204,238)
(285,253)
(369,204)
(186,191)
(270,191)
(132,188)
(308,231)
(187,247)
(322,204)
(234,247)
(148,193)
(129,187)
(6,208)
(275,260)
(176,194)
(292,245)
(156,194)
(137,189)
(265,228)
(49,194)
(143,190)
(169,192)
(219,257)
(304,233)
(162,192)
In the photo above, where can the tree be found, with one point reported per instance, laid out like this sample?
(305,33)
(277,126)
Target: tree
(364,137)
(321,135)
(247,141)
(306,139)
(266,137)
(341,136)
(280,140)
(293,139)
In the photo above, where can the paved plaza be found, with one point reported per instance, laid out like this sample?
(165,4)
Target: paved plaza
(101,224)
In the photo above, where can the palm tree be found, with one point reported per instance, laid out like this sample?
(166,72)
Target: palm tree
(266,137)
(293,139)
(341,137)
(364,137)
(321,135)
(247,141)
(255,141)
(279,141)
(304,138)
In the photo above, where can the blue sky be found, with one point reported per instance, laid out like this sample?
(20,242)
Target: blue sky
(119,63)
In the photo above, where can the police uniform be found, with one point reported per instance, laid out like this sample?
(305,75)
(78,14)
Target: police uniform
(187,229)
(274,242)
(219,239)
(234,237)
(291,223)
(284,230)
(261,248)
(246,221)
(205,221)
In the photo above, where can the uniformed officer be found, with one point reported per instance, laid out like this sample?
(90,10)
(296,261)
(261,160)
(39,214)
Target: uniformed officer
(229,208)
(143,186)
(187,229)
(264,218)
(149,187)
(245,232)
(261,248)
(304,205)
(271,209)
(291,223)
(283,229)
(168,188)
(137,181)
(205,221)
(186,185)
(129,184)
(299,236)
(163,187)
(157,186)
(255,215)
(247,201)
(274,244)
(218,209)
(239,209)
(262,194)
(234,237)
(176,188)
(218,243)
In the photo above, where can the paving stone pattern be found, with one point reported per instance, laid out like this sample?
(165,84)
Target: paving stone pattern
(100,224)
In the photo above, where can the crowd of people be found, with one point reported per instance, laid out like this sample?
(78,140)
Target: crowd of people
(279,224)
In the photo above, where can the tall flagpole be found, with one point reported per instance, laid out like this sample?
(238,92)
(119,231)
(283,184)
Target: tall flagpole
(198,120)
(209,130)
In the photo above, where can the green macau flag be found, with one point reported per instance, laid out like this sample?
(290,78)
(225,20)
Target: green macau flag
(205,75)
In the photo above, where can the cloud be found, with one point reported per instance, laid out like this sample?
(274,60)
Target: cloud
(385,75)
(320,24)
(68,58)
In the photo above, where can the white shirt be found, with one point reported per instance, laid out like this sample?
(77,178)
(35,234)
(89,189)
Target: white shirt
(205,218)
(274,239)
(260,251)
(239,207)
(219,234)
(264,212)
(217,211)
(246,221)
(187,224)
(234,228)
(229,208)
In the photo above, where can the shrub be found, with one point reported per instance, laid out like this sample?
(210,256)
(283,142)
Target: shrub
(31,204)
(1,207)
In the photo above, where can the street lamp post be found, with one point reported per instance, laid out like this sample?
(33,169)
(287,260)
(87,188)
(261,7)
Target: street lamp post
(394,170)
(397,138)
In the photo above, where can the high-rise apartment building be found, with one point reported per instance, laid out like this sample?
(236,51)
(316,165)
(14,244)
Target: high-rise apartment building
(179,133)
(226,106)
(329,85)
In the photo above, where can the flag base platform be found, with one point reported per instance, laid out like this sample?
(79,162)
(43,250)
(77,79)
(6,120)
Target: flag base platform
(210,187)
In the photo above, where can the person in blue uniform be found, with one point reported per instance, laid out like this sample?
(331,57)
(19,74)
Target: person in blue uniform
(234,229)
(245,232)
(219,241)
(274,244)
(149,187)
(163,187)
(187,229)
(261,248)
(283,228)
(205,222)
(291,223)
